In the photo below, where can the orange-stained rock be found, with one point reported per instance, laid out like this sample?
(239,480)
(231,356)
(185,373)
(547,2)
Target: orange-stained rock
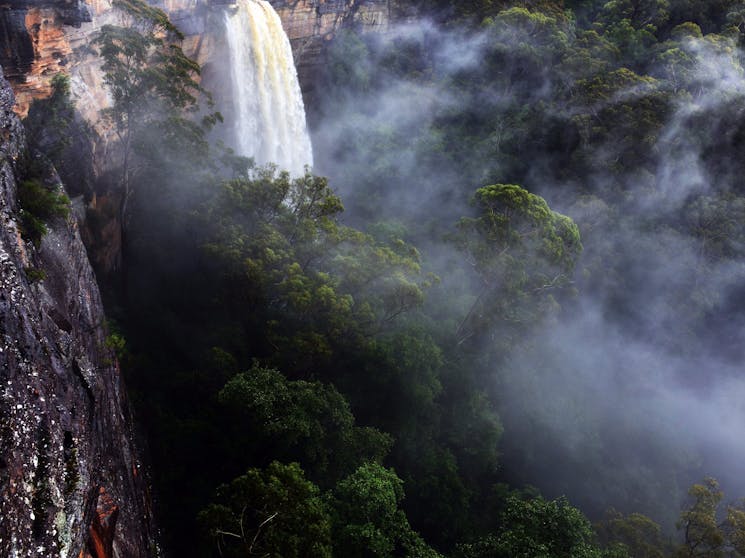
(51,56)
(60,47)
(103,527)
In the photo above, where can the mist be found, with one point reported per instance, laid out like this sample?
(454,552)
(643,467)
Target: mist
(634,389)
(613,377)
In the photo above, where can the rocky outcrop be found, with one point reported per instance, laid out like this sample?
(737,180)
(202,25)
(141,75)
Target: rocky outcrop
(39,38)
(311,23)
(70,482)
(34,43)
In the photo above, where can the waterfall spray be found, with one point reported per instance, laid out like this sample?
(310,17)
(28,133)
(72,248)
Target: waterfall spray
(267,103)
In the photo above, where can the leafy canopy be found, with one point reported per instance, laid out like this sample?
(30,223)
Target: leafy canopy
(272,512)
(521,251)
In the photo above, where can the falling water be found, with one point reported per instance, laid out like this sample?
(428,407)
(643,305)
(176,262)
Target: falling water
(267,103)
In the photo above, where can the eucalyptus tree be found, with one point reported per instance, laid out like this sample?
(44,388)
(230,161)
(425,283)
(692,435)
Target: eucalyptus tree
(153,86)
(522,252)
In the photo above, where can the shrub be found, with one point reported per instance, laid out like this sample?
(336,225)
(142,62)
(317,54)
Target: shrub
(40,204)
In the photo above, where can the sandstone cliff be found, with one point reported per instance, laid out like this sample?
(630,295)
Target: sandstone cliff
(39,38)
(70,483)
(35,38)
(311,23)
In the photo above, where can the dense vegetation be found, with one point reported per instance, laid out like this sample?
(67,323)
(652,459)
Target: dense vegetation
(393,379)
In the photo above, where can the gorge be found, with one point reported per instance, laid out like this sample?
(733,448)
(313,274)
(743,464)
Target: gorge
(69,472)
(506,319)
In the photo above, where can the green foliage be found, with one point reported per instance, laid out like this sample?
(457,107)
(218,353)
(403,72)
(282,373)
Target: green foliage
(538,528)
(285,253)
(147,16)
(523,43)
(475,431)
(308,420)
(274,512)
(39,205)
(53,113)
(631,25)
(717,223)
(639,535)
(347,62)
(54,130)
(570,99)
(608,101)
(520,250)
(440,501)
(367,520)
(34,274)
(702,534)
(735,528)
(49,122)
(143,65)
(397,384)
(117,343)
(536,34)
(153,86)
(639,13)
(707,530)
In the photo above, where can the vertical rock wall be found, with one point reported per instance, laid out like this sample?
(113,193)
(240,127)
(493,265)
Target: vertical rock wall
(39,38)
(70,482)
(35,43)
(311,23)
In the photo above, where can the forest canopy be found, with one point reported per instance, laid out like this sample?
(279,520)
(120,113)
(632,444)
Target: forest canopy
(502,316)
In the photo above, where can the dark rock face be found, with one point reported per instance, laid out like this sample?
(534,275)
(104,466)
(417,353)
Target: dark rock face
(16,48)
(70,482)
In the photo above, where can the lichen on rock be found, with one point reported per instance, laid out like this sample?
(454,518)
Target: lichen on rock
(65,430)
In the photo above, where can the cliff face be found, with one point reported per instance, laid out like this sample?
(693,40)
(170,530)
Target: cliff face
(311,23)
(39,38)
(34,42)
(70,483)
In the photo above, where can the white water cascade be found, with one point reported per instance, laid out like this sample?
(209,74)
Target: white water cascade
(267,103)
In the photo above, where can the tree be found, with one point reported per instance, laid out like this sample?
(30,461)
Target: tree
(735,528)
(539,528)
(521,251)
(702,534)
(705,533)
(604,103)
(40,203)
(367,520)
(716,222)
(273,512)
(150,80)
(641,536)
(639,13)
(302,420)
(526,44)
(281,252)
(401,383)
(712,15)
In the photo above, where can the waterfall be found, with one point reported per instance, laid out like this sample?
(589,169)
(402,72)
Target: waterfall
(269,116)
